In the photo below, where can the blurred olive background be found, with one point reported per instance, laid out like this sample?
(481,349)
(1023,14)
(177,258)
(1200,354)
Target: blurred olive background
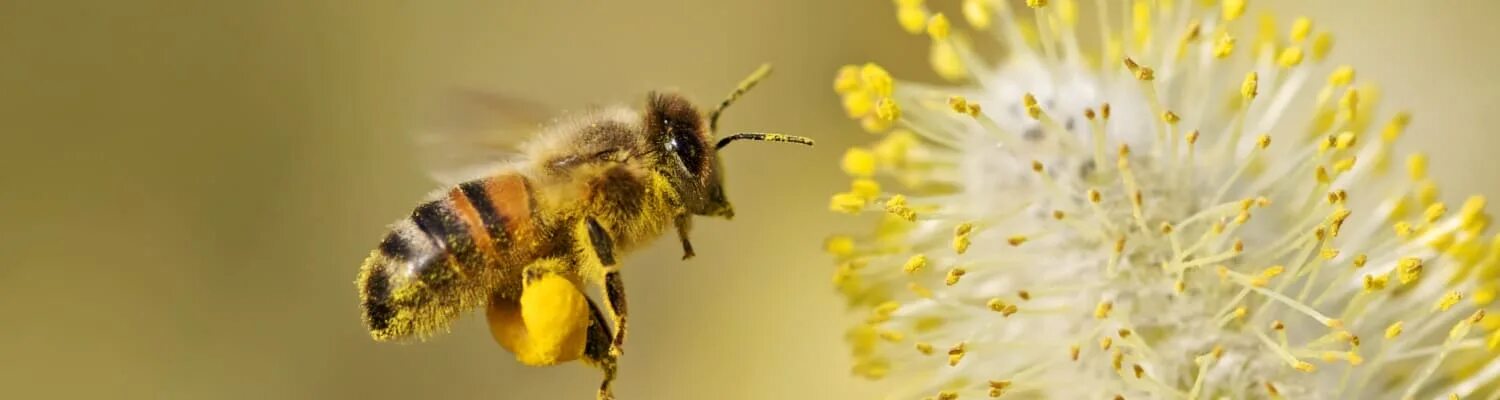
(190,186)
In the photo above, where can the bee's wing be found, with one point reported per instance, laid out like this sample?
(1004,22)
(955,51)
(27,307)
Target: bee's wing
(472,132)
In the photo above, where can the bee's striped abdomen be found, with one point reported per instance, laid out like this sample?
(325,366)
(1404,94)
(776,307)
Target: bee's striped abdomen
(445,258)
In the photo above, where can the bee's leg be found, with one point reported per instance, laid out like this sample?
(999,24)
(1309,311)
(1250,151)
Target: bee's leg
(614,286)
(597,352)
(684,222)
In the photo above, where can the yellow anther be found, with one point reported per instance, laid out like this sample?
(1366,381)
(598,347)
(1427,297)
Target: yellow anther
(961,237)
(1240,312)
(1036,3)
(859,162)
(938,27)
(954,275)
(1344,140)
(847,80)
(1277,325)
(1036,166)
(1139,371)
(1166,228)
(1301,28)
(1217,352)
(1341,76)
(1322,175)
(915,264)
(1271,390)
(897,206)
(1397,125)
(1249,88)
(956,353)
(1105,343)
(1120,245)
(946,61)
(839,245)
(1360,260)
(877,79)
(912,18)
(858,103)
(865,188)
(1447,301)
(979,13)
(1263,141)
(848,203)
(1344,165)
(1059,215)
(1290,57)
(1223,46)
(1170,117)
(1024,295)
(924,348)
(997,388)
(892,336)
(1192,137)
(1434,212)
(1232,9)
(1145,74)
(958,104)
(894,148)
(1304,366)
(1094,196)
(887,109)
(1073,352)
(1102,310)
(1322,45)
(1404,229)
(1016,240)
(1117,360)
(1409,269)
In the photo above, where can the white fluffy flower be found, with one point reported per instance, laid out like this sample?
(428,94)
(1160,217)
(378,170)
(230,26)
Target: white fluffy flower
(1193,217)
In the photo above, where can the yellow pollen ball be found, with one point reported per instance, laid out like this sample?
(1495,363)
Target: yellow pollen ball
(1036,3)
(877,79)
(1223,46)
(887,109)
(847,80)
(1250,87)
(865,188)
(1232,9)
(547,326)
(915,264)
(839,245)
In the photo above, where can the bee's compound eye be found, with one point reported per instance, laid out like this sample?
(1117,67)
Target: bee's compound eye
(689,149)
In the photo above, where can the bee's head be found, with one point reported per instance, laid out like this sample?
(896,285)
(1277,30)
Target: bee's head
(690,157)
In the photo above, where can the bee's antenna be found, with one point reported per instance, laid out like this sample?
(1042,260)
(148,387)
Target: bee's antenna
(745,85)
(765,137)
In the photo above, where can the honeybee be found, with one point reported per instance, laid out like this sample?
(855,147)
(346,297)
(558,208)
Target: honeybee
(524,237)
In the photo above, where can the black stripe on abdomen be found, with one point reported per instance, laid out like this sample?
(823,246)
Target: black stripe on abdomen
(434,220)
(378,311)
(479,197)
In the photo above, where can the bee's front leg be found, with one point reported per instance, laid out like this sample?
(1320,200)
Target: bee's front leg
(684,222)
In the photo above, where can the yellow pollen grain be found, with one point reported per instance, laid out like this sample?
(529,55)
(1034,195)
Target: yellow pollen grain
(1139,371)
(897,206)
(947,395)
(1105,343)
(1094,196)
(1123,333)
(1360,260)
(1305,366)
(1059,214)
(915,264)
(1434,212)
(996,304)
(1170,117)
(1263,141)
(1036,3)
(1240,312)
(1024,295)
(865,188)
(1277,325)
(959,104)
(1117,359)
(1192,137)
(1036,166)
(1375,282)
(1016,240)
(892,336)
(1102,310)
(1073,351)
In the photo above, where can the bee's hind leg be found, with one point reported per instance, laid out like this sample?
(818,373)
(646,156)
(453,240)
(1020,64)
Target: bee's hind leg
(598,351)
(614,285)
